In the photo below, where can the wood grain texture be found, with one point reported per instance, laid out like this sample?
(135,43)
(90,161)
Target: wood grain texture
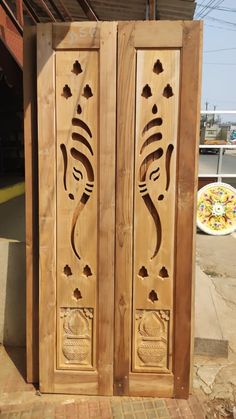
(180,207)
(74,35)
(116,259)
(31,203)
(47,206)
(106,223)
(154,197)
(78,140)
(81,186)
(186,200)
(124,207)
(158,34)
(150,386)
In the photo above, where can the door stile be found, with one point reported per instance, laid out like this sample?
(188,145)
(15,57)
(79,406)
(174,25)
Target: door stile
(106,220)
(124,207)
(47,205)
(187,167)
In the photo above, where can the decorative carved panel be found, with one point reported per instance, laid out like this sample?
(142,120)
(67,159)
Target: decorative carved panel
(77,140)
(151,340)
(76,334)
(156,130)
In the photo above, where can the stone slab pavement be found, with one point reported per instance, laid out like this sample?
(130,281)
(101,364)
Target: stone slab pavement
(215,317)
(107,408)
(20,400)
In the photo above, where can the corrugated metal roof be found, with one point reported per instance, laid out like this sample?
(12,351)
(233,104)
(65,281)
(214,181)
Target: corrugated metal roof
(119,9)
(175,9)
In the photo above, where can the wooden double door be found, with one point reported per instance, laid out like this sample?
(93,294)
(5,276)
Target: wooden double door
(117,127)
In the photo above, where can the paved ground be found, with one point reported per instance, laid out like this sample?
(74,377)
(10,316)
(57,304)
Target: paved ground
(215,317)
(21,400)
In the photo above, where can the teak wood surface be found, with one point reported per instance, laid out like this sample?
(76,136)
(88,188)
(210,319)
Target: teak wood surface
(77,117)
(117,190)
(31,202)
(185,39)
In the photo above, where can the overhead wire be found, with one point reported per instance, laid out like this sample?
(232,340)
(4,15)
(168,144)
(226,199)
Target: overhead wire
(209,3)
(222,21)
(220,27)
(217,50)
(223,9)
(201,5)
(205,10)
(221,63)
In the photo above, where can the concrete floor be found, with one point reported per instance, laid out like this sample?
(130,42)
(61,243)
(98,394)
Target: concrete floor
(215,316)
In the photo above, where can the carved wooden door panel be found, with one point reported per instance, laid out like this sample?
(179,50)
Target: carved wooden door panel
(157,117)
(117,184)
(77,116)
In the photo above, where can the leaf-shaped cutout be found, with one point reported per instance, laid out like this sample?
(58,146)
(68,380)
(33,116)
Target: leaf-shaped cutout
(163,272)
(168,91)
(71,196)
(77,68)
(79,109)
(160,197)
(153,296)
(77,294)
(154,109)
(67,270)
(87,92)
(146,91)
(87,271)
(158,68)
(143,272)
(66,91)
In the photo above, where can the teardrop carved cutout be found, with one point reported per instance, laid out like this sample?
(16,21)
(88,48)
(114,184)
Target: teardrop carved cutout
(154,109)
(168,92)
(160,197)
(87,92)
(146,91)
(163,272)
(66,91)
(67,270)
(79,109)
(77,68)
(158,68)
(77,294)
(153,296)
(87,271)
(143,272)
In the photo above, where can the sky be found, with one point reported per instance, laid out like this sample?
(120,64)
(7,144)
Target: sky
(219,54)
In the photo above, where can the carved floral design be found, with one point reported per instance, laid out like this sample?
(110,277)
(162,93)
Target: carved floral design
(216,209)
(77,336)
(152,338)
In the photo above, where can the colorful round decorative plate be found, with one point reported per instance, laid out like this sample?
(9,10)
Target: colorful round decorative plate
(216,209)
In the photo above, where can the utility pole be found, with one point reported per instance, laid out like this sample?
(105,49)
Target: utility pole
(206,117)
(214,114)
